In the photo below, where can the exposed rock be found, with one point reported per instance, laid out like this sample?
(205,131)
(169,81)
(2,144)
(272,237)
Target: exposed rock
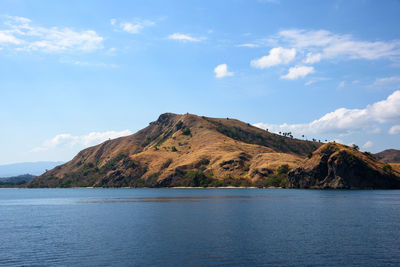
(335,166)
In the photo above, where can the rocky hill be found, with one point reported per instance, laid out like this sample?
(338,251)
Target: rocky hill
(183,150)
(188,150)
(336,166)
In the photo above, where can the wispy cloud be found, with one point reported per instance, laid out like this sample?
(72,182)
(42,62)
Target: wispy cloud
(345,121)
(312,58)
(395,129)
(185,37)
(308,47)
(329,45)
(71,141)
(134,26)
(386,81)
(222,71)
(22,34)
(87,63)
(249,45)
(316,80)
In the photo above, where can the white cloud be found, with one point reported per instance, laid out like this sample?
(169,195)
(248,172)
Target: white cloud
(298,72)
(315,80)
(341,84)
(87,63)
(70,141)
(26,36)
(368,144)
(184,37)
(386,81)
(312,58)
(7,37)
(344,121)
(394,129)
(249,45)
(222,71)
(134,27)
(276,56)
(330,45)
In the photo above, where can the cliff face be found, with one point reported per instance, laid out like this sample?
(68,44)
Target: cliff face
(182,150)
(335,166)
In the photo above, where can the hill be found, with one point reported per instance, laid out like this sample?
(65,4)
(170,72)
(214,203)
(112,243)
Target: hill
(338,166)
(389,155)
(16,180)
(34,168)
(188,150)
(183,150)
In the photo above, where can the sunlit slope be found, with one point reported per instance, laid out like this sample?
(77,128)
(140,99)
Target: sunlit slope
(182,150)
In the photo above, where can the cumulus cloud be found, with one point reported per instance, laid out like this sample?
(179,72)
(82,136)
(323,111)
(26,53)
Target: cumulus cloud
(70,141)
(276,56)
(22,34)
(394,129)
(222,71)
(184,37)
(298,72)
(134,27)
(343,121)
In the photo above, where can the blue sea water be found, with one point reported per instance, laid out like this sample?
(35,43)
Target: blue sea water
(199,227)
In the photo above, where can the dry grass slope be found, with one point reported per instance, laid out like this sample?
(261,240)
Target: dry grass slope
(186,150)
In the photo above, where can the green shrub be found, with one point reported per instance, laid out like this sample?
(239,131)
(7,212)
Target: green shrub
(179,125)
(186,131)
(173,148)
(283,169)
(197,178)
(387,168)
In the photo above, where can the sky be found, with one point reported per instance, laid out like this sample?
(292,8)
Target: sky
(76,73)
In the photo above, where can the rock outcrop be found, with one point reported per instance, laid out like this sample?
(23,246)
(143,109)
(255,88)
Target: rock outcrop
(336,166)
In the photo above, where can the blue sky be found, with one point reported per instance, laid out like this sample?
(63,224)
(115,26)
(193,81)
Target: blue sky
(75,73)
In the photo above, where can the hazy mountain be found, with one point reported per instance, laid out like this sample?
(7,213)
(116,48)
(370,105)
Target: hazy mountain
(33,168)
(16,180)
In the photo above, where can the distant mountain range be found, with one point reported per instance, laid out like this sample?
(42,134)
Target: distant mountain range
(33,168)
(198,151)
(16,180)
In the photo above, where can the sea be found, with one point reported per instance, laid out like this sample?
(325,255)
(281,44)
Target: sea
(199,227)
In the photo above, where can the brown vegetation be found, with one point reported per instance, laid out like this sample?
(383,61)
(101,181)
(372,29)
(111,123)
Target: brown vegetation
(186,150)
